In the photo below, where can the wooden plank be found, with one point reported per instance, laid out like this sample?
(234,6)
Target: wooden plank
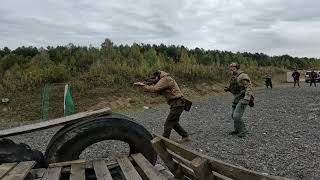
(159,147)
(183,164)
(218,176)
(77,172)
(88,164)
(38,173)
(20,171)
(201,169)
(101,170)
(237,172)
(177,148)
(186,171)
(67,163)
(110,164)
(5,168)
(53,122)
(164,171)
(52,173)
(129,172)
(148,169)
(218,166)
(180,159)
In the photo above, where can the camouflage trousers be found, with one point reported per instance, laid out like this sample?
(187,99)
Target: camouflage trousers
(237,113)
(172,122)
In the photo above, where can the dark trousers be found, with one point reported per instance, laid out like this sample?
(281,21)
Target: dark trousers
(268,83)
(313,81)
(172,122)
(296,81)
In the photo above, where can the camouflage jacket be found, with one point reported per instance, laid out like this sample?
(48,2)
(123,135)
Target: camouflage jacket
(240,86)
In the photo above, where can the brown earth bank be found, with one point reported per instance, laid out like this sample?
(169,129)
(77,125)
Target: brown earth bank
(27,106)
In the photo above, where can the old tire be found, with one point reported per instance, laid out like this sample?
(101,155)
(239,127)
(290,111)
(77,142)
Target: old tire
(12,152)
(68,143)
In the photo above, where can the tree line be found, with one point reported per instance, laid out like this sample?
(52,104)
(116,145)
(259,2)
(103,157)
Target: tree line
(28,68)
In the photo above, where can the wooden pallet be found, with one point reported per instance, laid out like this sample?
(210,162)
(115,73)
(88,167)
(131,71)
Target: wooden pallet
(185,163)
(135,167)
(182,162)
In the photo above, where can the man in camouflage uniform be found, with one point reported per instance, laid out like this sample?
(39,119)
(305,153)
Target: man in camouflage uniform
(241,88)
(168,87)
(268,81)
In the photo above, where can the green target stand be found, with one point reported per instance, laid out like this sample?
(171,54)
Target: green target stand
(68,101)
(68,105)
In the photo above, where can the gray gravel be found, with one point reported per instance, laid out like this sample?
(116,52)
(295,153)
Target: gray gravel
(283,139)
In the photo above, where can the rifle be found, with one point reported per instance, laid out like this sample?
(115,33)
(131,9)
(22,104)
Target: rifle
(151,81)
(148,81)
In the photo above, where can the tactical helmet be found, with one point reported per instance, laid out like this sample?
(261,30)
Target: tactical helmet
(235,64)
(157,73)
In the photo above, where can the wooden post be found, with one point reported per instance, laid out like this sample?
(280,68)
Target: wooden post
(201,169)
(166,157)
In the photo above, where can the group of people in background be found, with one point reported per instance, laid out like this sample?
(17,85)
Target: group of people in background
(312,78)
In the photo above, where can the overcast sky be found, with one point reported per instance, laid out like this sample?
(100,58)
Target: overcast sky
(273,27)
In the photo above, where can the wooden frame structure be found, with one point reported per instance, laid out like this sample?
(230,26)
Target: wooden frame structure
(135,167)
(185,163)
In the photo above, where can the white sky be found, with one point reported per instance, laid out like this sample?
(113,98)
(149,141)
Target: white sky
(274,27)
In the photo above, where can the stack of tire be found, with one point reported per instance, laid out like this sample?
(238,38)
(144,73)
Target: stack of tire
(68,143)
(72,139)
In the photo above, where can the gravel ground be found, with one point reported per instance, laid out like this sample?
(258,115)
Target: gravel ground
(283,139)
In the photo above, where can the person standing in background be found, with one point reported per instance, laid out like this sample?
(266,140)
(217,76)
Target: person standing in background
(268,81)
(296,78)
(313,77)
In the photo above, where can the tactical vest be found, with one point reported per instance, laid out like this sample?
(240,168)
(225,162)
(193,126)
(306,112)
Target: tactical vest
(235,87)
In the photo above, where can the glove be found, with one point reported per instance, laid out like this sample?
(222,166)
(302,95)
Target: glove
(226,89)
(244,101)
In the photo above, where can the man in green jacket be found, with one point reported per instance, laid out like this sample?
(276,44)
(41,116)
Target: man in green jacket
(241,88)
(168,87)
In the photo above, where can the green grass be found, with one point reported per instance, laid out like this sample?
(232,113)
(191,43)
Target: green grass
(26,105)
